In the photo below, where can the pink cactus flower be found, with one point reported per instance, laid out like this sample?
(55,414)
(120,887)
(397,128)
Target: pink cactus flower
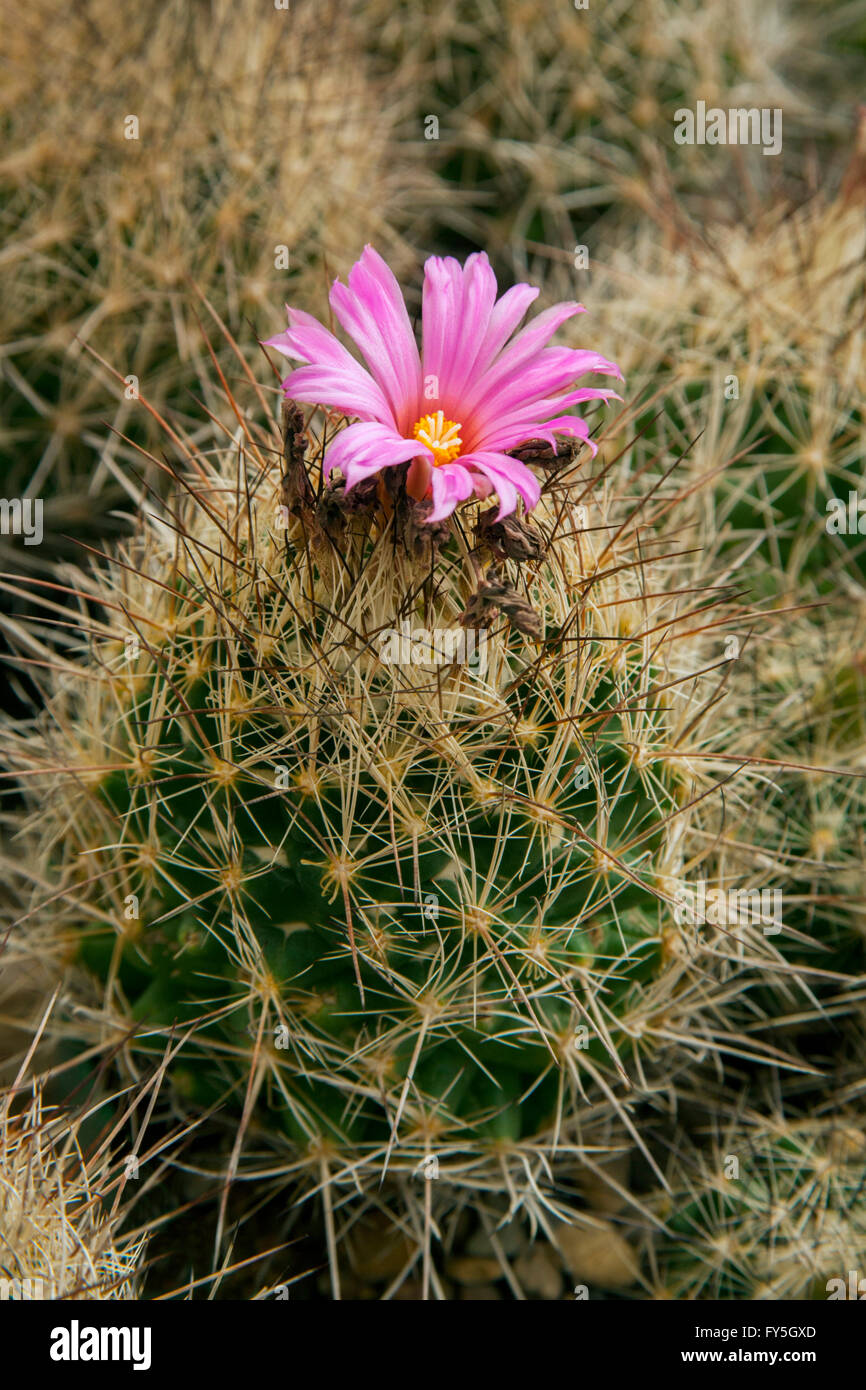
(452,410)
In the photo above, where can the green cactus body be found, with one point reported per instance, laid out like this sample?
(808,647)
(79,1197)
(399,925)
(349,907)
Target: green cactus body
(290,819)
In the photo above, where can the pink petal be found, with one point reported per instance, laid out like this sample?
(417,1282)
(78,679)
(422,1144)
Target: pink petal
(333,377)
(372,311)
(442,298)
(533,392)
(571,425)
(451,484)
(528,343)
(506,315)
(456,311)
(317,386)
(362,450)
(509,477)
(516,427)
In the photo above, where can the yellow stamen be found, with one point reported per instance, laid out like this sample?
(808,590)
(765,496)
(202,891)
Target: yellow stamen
(441,436)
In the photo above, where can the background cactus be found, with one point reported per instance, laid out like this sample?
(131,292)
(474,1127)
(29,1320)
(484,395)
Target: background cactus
(772,1210)
(717,310)
(750,337)
(556,127)
(750,342)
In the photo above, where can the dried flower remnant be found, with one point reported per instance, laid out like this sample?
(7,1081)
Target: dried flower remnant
(296,493)
(496,596)
(511,538)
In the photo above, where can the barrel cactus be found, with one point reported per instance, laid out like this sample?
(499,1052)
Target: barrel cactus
(749,337)
(366,812)
(770,1210)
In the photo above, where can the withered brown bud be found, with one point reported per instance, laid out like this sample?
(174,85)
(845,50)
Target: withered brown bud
(511,538)
(542,455)
(394,481)
(337,503)
(363,497)
(420,535)
(331,512)
(296,492)
(495,595)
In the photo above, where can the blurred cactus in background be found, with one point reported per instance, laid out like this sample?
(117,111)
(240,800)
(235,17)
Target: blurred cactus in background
(748,345)
(751,338)
(771,1211)
(551,118)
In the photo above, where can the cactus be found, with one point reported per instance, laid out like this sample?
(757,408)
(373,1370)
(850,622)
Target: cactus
(770,1211)
(749,336)
(745,342)
(717,306)
(548,121)
(396,931)
(410,918)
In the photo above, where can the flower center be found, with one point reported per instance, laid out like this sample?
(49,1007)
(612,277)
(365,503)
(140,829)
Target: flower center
(441,437)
